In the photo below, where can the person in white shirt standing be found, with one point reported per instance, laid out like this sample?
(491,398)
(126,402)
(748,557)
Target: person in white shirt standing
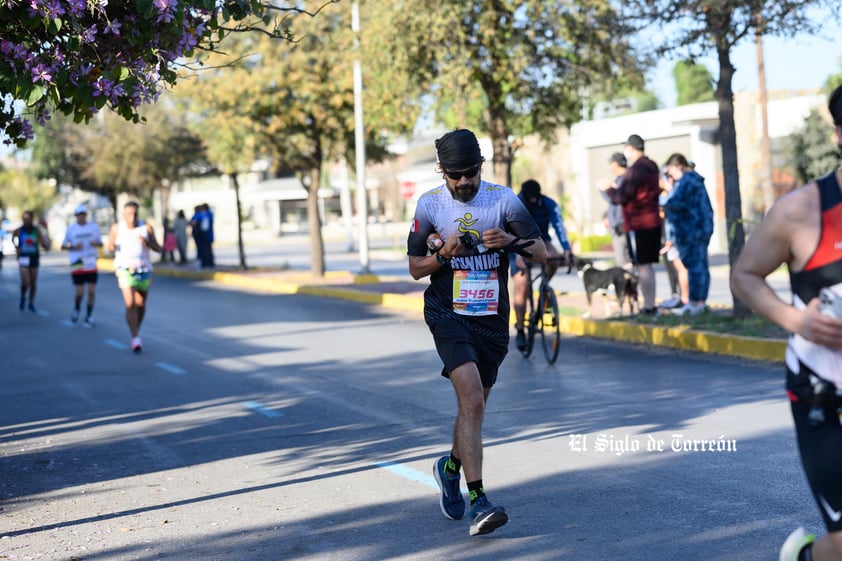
(83,240)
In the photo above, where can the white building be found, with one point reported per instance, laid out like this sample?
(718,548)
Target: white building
(692,130)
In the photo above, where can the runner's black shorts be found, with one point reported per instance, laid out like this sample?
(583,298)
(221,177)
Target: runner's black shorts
(457,345)
(645,245)
(820,448)
(89,277)
(34,260)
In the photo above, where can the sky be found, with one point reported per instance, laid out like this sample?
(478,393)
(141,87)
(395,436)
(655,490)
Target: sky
(803,61)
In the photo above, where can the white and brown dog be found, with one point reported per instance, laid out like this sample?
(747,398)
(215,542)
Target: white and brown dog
(616,281)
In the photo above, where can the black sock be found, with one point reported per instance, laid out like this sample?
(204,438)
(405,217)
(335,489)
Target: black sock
(806,553)
(90,310)
(452,465)
(475,490)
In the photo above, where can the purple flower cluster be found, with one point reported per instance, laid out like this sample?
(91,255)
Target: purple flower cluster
(91,53)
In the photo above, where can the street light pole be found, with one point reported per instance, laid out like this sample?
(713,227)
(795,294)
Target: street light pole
(766,167)
(359,141)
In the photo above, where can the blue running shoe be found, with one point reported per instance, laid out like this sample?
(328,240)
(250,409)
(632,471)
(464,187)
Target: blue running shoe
(451,501)
(485,517)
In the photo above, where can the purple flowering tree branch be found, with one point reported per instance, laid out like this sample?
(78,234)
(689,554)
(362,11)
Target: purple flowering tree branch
(79,56)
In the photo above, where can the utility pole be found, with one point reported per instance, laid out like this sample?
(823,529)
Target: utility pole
(359,142)
(766,184)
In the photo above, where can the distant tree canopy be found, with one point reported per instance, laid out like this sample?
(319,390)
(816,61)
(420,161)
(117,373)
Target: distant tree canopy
(812,150)
(834,80)
(111,155)
(646,100)
(693,82)
(517,67)
(19,188)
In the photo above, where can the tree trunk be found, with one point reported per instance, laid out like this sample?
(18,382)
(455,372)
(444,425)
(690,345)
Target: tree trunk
(166,191)
(502,158)
(314,222)
(236,183)
(728,141)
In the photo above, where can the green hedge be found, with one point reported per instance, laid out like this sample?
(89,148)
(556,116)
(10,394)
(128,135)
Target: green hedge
(588,244)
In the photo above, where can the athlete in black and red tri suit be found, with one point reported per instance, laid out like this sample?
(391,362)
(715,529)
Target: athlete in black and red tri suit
(804,231)
(466,305)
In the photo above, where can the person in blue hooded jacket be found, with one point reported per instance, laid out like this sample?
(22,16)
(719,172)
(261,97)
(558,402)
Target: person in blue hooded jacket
(690,214)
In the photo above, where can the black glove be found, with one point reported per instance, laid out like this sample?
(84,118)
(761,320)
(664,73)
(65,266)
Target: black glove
(519,246)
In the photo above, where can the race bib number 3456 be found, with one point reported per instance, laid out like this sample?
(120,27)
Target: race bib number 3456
(475,293)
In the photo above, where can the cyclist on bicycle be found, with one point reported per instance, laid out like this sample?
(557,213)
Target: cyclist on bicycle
(546,212)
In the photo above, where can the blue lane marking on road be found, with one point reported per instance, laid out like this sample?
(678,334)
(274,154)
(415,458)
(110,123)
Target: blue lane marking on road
(263,410)
(172,369)
(409,473)
(116,344)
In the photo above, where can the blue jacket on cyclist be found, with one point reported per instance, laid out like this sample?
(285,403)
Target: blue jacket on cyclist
(545,211)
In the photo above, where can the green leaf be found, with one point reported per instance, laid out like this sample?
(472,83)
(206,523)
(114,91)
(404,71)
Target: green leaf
(34,95)
(144,7)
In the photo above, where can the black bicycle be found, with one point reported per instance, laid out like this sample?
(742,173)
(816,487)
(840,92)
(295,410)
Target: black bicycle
(541,314)
(547,322)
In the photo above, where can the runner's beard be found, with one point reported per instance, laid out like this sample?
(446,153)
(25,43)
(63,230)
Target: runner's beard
(465,193)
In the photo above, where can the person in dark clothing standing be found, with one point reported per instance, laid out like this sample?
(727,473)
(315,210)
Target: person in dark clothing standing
(638,194)
(180,228)
(690,215)
(201,225)
(617,165)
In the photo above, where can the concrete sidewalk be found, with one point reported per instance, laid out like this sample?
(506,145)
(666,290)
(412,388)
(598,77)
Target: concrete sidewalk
(387,284)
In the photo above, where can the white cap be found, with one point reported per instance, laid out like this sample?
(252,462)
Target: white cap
(81,209)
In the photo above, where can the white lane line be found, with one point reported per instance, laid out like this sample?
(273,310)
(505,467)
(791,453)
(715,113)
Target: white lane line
(409,473)
(263,410)
(172,369)
(116,344)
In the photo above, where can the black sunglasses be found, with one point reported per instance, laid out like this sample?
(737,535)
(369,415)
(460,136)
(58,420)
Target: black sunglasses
(457,175)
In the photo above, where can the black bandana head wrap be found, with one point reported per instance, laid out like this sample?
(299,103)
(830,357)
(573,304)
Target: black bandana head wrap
(458,150)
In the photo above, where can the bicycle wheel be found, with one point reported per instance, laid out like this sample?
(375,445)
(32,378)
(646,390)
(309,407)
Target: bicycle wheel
(550,328)
(529,327)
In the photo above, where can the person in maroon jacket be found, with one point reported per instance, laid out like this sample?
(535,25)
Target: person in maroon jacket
(638,194)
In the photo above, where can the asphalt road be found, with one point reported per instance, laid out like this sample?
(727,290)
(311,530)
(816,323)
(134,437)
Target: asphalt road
(259,427)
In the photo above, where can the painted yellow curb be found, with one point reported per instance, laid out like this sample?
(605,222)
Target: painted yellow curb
(268,284)
(679,337)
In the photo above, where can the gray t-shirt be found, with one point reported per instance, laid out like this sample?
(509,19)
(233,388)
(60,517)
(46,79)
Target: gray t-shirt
(474,288)
(615,211)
